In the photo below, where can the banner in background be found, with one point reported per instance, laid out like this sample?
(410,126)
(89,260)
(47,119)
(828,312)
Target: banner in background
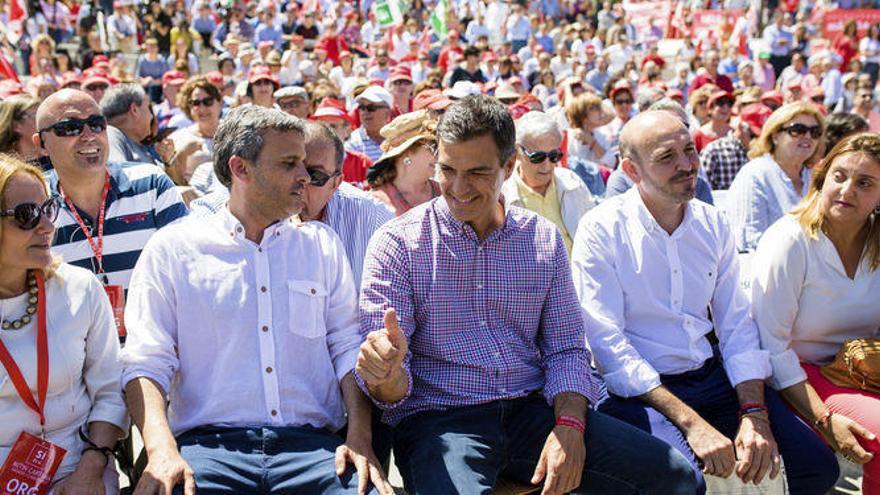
(837,18)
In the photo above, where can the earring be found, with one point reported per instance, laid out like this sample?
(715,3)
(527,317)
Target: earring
(407,161)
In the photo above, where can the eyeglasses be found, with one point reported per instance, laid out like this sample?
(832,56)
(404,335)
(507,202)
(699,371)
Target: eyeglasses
(724,103)
(203,102)
(622,101)
(74,127)
(818,99)
(292,103)
(97,87)
(372,108)
(317,177)
(402,82)
(538,157)
(798,130)
(27,215)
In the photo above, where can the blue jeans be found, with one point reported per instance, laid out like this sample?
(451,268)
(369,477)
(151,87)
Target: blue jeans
(810,466)
(465,450)
(265,461)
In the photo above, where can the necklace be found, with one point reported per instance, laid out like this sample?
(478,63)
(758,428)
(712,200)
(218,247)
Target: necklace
(31,309)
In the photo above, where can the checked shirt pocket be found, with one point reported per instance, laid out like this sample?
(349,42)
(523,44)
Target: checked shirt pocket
(307,302)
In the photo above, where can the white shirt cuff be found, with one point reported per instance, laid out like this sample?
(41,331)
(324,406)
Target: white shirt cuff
(748,365)
(633,379)
(787,370)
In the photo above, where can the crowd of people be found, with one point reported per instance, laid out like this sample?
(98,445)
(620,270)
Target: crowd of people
(548,243)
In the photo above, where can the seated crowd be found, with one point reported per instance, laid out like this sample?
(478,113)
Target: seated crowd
(560,278)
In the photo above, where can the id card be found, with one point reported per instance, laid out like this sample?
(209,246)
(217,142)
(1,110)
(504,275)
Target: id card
(30,467)
(116,294)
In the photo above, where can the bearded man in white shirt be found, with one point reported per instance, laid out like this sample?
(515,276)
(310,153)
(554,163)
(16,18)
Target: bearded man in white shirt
(246,321)
(669,326)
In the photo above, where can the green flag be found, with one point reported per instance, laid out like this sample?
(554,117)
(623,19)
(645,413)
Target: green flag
(438,19)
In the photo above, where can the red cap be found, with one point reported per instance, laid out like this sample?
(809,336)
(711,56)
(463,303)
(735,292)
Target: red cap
(214,77)
(96,79)
(173,77)
(329,109)
(263,73)
(527,98)
(755,115)
(100,58)
(400,73)
(618,89)
(675,94)
(517,110)
(720,95)
(69,78)
(773,97)
(589,48)
(432,99)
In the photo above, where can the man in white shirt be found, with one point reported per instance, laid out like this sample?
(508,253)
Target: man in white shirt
(246,320)
(658,279)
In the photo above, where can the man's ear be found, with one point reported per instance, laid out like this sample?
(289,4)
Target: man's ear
(629,168)
(37,139)
(509,166)
(238,168)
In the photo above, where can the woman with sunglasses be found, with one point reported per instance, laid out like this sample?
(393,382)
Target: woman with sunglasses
(402,177)
(55,317)
(720,105)
(778,175)
(201,102)
(815,282)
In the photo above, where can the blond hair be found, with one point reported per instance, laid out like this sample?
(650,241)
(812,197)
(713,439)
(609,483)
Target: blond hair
(809,211)
(10,166)
(12,110)
(577,109)
(779,119)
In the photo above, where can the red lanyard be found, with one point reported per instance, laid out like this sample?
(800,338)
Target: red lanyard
(97,247)
(15,375)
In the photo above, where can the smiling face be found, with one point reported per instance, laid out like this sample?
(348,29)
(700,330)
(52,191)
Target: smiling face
(24,249)
(797,147)
(851,189)
(85,154)
(470,174)
(537,175)
(201,113)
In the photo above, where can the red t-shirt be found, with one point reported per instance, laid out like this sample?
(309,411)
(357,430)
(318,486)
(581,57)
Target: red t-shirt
(721,81)
(354,168)
(443,60)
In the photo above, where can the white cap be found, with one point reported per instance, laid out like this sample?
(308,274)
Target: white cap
(376,94)
(462,89)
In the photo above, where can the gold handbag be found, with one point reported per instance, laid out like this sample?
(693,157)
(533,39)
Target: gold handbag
(857,365)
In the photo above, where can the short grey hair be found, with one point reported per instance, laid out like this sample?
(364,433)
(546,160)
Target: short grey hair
(241,133)
(670,105)
(649,96)
(118,99)
(321,132)
(534,124)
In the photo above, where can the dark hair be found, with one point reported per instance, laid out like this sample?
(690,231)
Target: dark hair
(479,115)
(839,125)
(471,51)
(323,132)
(242,134)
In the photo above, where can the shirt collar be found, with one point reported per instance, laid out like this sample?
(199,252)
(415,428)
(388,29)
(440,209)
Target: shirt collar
(234,228)
(644,217)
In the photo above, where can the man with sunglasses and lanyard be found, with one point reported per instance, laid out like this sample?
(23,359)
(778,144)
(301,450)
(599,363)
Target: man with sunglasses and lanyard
(108,210)
(538,184)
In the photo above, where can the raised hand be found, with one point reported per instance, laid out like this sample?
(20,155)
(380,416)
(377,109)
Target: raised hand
(380,360)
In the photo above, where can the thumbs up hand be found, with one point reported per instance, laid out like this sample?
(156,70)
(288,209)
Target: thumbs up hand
(380,361)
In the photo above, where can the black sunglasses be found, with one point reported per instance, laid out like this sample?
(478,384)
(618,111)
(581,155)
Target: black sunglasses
(627,101)
(97,87)
(27,215)
(724,102)
(203,102)
(74,127)
(372,108)
(537,157)
(318,177)
(798,130)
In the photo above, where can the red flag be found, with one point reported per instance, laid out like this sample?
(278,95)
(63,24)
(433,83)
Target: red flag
(6,69)
(16,13)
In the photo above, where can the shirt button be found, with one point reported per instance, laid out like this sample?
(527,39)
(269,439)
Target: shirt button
(274,412)
(259,249)
(313,291)
(238,229)
(265,328)
(675,272)
(268,369)
(263,289)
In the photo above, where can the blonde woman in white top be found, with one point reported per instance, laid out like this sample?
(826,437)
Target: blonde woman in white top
(816,282)
(83,390)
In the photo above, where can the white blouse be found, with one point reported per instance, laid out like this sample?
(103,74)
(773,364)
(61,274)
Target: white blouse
(84,371)
(804,303)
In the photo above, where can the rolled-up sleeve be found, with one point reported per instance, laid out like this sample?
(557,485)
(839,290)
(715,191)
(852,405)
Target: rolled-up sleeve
(778,273)
(101,369)
(385,284)
(625,371)
(737,335)
(151,346)
(561,336)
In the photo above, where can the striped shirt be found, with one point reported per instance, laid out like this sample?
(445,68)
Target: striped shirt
(361,143)
(141,199)
(485,320)
(353,214)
